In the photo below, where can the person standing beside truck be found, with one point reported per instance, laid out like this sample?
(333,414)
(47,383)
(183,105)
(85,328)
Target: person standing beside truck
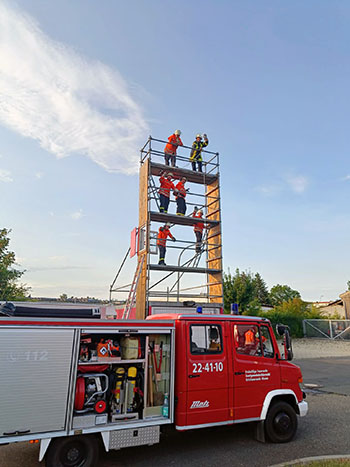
(196,152)
(171,147)
(163,234)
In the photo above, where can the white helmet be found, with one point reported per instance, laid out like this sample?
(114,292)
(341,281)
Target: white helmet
(168,224)
(198,136)
(178,132)
(200,212)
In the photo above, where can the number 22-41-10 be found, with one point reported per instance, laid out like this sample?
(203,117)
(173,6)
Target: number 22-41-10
(208,367)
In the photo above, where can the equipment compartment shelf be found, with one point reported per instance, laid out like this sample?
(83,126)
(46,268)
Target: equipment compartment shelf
(103,361)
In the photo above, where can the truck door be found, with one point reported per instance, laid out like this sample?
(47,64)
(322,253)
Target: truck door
(207,374)
(256,370)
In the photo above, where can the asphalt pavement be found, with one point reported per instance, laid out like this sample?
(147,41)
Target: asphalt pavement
(324,431)
(330,374)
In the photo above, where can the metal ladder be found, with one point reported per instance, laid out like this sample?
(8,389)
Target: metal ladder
(132,294)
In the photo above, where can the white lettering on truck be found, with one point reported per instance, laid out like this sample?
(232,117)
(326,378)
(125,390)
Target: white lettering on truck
(257,375)
(199,404)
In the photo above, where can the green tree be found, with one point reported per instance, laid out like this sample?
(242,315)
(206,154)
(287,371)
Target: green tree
(261,291)
(9,276)
(292,313)
(348,283)
(282,293)
(239,288)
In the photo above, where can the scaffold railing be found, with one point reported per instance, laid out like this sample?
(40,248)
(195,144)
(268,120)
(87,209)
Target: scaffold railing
(155,153)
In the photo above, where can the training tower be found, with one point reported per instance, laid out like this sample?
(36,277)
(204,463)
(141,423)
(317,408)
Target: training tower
(189,279)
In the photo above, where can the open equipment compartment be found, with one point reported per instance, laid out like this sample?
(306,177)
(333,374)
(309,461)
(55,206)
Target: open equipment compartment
(123,376)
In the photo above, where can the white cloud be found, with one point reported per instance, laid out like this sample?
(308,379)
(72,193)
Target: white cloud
(69,104)
(5,176)
(77,215)
(39,175)
(347,177)
(269,190)
(298,183)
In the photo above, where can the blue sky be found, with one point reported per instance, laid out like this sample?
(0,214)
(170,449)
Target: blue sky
(83,84)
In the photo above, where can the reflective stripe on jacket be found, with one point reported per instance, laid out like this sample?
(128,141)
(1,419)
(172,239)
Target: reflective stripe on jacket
(165,186)
(196,152)
(174,142)
(163,233)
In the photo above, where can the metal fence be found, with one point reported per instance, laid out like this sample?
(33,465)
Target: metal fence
(327,328)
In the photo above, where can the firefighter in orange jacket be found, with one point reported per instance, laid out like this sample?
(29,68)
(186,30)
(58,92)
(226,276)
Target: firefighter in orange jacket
(198,229)
(180,194)
(163,234)
(171,147)
(166,185)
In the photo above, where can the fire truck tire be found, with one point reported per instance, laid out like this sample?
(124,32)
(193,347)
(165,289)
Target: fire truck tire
(73,451)
(281,422)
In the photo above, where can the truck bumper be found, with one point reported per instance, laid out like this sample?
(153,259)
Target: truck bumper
(303,408)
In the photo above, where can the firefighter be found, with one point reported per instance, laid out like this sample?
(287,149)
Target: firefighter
(180,194)
(171,147)
(196,152)
(198,229)
(250,337)
(166,185)
(163,234)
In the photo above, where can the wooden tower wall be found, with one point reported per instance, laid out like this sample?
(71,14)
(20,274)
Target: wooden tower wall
(143,223)
(214,241)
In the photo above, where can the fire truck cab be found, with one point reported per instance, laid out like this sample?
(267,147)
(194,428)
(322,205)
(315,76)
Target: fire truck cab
(229,369)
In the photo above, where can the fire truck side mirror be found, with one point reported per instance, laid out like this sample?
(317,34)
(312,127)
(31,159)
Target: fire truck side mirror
(280,329)
(283,330)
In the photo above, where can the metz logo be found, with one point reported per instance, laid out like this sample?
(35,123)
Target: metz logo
(199,404)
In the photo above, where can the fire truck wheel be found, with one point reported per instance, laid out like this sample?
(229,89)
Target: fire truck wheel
(73,451)
(281,422)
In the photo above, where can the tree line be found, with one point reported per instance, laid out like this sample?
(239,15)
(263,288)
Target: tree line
(250,292)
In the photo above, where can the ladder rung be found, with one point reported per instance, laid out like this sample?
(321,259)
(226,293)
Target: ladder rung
(214,248)
(214,259)
(212,191)
(214,235)
(212,202)
(212,213)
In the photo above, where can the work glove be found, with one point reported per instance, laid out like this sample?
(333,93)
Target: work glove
(174,239)
(205,136)
(195,209)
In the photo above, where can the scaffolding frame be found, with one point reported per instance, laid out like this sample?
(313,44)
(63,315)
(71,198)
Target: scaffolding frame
(153,156)
(210,292)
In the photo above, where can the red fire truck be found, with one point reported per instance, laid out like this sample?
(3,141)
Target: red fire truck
(76,384)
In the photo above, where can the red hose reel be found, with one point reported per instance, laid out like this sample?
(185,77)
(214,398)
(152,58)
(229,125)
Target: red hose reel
(90,392)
